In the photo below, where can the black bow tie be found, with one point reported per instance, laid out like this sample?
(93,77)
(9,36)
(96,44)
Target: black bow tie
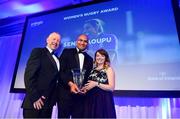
(80,52)
(54,53)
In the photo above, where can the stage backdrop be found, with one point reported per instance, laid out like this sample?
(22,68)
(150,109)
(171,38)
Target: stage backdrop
(140,36)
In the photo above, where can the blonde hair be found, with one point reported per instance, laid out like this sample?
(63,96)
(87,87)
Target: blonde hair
(56,34)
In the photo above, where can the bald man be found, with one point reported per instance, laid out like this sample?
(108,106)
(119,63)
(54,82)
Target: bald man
(70,100)
(41,75)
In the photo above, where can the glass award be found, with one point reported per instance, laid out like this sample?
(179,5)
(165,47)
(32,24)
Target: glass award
(78,77)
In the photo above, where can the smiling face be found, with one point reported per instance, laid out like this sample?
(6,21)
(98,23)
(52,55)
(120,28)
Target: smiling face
(82,42)
(53,41)
(100,59)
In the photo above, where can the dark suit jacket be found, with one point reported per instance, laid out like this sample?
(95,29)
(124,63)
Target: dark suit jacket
(69,60)
(41,75)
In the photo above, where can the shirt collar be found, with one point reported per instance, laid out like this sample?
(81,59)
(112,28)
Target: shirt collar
(81,51)
(49,49)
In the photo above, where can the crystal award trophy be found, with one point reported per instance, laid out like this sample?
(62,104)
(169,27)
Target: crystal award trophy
(78,77)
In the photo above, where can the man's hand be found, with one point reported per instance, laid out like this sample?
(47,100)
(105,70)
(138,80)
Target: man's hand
(73,87)
(39,103)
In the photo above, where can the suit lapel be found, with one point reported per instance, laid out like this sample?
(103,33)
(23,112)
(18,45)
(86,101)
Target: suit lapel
(51,59)
(85,61)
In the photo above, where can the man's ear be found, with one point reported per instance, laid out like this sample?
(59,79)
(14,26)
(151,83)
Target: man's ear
(47,40)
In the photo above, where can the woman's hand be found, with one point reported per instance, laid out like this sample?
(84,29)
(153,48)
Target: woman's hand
(90,84)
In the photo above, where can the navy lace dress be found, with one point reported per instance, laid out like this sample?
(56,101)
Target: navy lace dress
(99,103)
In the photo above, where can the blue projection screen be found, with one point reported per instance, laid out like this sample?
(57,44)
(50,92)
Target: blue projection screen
(139,35)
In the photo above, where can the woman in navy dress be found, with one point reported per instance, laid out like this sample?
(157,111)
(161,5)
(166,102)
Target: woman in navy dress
(99,88)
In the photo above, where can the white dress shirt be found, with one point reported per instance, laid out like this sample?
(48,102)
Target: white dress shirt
(81,59)
(54,57)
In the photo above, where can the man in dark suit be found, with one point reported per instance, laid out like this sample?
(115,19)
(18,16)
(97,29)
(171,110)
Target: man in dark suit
(70,102)
(41,76)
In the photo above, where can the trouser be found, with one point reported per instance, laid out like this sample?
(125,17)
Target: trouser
(32,113)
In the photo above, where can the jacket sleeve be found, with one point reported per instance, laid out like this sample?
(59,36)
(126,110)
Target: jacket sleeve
(65,73)
(31,74)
